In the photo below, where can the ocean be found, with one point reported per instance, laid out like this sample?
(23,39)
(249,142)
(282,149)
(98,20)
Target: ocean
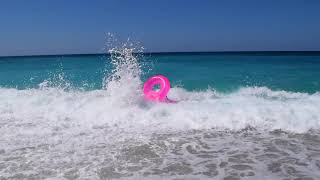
(240,115)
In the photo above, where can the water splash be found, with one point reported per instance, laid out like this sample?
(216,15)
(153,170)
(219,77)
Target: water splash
(124,81)
(57,79)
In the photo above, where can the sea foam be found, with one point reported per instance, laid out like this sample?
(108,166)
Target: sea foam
(257,107)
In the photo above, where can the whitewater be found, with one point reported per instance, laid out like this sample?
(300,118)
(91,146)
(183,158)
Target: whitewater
(55,131)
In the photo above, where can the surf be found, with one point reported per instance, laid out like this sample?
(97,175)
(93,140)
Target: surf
(120,103)
(208,133)
(257,107)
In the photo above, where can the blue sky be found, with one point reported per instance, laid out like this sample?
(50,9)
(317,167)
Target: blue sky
(80,26)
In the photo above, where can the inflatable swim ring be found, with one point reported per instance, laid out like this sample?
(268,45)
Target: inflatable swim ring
(160,95)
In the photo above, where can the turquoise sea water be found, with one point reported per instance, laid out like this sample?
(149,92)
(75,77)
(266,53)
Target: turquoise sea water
(239,116)
(194,71)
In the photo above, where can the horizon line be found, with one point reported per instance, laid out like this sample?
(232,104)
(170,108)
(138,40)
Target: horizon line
(317,52)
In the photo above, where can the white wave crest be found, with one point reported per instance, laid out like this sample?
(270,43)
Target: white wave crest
(262,108)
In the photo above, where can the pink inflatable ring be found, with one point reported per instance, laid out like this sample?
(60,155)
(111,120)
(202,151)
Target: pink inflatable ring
(160,95)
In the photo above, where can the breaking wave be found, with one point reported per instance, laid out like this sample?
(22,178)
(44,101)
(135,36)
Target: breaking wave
(120,104)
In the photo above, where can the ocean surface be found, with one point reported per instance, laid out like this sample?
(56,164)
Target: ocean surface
(239,116)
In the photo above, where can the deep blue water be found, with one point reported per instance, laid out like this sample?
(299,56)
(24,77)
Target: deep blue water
(193,71)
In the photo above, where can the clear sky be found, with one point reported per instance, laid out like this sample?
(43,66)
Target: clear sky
(80,26)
